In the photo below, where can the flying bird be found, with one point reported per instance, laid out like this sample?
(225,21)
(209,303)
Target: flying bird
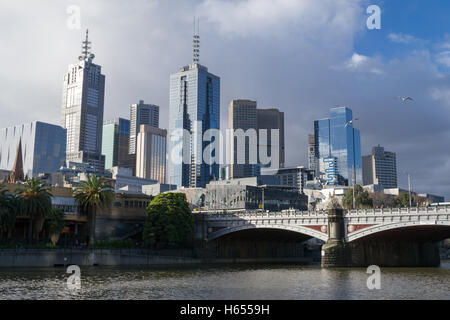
(350,122)
(404,99)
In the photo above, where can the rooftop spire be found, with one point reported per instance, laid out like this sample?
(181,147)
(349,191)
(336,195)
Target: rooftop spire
(17,171)
(85,48)
(196,43)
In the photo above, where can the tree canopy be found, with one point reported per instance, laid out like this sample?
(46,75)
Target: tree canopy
(169,221)
(362,198)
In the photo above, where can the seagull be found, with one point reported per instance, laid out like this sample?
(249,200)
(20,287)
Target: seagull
(350,122)
(404,99)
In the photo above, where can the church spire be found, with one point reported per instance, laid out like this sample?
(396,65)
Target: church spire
(17,171)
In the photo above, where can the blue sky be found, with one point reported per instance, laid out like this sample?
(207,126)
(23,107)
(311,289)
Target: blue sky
(427,22)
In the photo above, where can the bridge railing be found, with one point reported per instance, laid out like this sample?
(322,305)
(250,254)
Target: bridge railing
(412,210)
(353,212)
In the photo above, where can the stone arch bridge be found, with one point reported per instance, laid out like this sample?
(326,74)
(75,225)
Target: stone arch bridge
(392,237)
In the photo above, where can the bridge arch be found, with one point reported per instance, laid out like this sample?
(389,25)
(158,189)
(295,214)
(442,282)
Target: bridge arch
(298,229)
(398,225)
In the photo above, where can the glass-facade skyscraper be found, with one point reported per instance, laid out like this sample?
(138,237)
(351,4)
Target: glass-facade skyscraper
(43,147)
(115,142)
(338,148)
(194,107)
(82,110)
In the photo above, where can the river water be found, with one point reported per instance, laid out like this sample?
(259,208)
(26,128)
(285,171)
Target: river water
(226,282)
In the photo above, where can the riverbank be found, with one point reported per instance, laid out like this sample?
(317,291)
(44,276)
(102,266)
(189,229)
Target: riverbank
(57,258)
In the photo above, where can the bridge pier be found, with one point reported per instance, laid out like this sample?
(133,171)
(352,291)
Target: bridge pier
(336,252)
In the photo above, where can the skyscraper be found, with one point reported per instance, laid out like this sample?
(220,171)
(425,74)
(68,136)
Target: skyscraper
(242,115)
(380,168)
(140,114)
(312,154)
(270,119)
(43,147)
(82,109)
(338,148)
(151,153)
(115,143)
(194,109)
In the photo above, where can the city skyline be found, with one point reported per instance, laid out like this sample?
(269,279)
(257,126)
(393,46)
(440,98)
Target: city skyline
(399,132)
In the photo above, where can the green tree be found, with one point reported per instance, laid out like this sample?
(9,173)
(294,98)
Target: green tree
(55,223)
(36,204)
(9,206)
(362,198)
(92,194)
(401,201)
(169,221)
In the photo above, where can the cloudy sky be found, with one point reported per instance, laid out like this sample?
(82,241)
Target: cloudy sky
(302,56)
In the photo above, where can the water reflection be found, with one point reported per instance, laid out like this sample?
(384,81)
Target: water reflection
(226,282)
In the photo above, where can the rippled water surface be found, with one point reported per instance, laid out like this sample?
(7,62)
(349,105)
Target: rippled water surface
(283,282)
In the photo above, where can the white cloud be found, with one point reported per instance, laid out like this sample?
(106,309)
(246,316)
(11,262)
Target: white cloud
(403,38)
(259,17)
(363,63)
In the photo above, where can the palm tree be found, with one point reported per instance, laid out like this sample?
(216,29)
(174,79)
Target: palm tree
(92,194)
(9,206)
(36,204)
(55,223)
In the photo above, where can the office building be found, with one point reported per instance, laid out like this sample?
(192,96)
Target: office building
(245,154)
(151,153)
(242,115)
(42,145)
(115,143)
(338,148)
(312,155)
(140,114)
(380,168)
(194,109)
(271,119)
(294,177)
(82,109)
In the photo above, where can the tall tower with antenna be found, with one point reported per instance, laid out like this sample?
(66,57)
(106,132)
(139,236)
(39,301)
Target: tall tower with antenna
(196,43)
(194,108)
(82,109)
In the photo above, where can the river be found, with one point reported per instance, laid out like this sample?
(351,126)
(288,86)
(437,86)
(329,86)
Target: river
(226,282)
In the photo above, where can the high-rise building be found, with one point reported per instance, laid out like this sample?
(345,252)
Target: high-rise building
(43,147)
(312,154)
(270,119)
(338,148)
(115,143)
(82,109)
(194,109)
(151,153)
(242,115)
(380,168)
(140,114)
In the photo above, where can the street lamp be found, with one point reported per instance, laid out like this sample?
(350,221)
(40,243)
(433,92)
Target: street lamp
(409,187)
(354,157)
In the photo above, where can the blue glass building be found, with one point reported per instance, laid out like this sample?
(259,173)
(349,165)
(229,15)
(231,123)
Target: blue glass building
(194,107)
(43,147)
(338,148)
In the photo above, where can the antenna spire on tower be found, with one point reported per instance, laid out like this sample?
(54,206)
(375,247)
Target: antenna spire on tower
(85,48)
(196,43)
